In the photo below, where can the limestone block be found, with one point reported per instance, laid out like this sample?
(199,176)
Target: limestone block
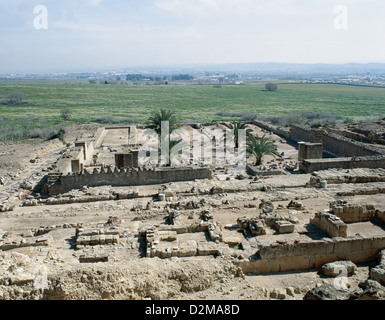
(278,294)
(167,236)
(179,229)
(232,241)
(93,259)
(284,227)
(336,268)
(206,249)
(187,249)
(378,274)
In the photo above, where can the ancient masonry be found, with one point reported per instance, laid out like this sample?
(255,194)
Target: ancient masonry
(346,152)
(268,239)
(80,167)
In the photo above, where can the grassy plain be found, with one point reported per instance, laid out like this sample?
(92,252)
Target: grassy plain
(192,102)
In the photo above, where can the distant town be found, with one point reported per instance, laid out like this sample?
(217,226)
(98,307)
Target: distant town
(360,75)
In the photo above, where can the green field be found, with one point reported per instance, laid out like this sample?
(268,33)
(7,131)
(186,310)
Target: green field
(192,102)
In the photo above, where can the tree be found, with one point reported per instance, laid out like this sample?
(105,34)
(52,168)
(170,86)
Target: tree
(155,120)
(259,147)
(15,97)
(238,125)
(271,87)
(65,114)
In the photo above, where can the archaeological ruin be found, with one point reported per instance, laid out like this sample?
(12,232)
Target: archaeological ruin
(89,214)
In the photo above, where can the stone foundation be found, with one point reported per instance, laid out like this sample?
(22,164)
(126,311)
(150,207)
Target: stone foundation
(310,254)
(330,224)
(126,177)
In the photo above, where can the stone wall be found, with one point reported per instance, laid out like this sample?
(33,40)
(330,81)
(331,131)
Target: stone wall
(333,143)
(306,134)
(64,165)
(254,171)
(344,147)
(283,132)
(311,165)
(350,213)
(308,150)
(129,177)
(99,136)
(360,135)
(309,254)
(331,224)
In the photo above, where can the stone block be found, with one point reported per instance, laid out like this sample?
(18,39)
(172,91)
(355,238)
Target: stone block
(232,241)
(93,259)
(378,274)
(336,268)
(284,227)
(206,249)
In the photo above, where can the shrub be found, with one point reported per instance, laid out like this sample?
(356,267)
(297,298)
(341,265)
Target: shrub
(65,114)
(271,87)
(15,97)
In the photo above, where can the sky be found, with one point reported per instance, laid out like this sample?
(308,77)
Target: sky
(86,35)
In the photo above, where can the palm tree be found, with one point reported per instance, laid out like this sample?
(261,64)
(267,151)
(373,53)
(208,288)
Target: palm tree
(261,147)
(157,117)
(238,125)
(154,122)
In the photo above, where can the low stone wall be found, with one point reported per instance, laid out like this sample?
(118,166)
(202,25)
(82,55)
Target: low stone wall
(344,147)
(360,135)
(331,224)
(283,132)
(311,165)
(254,171)
(350,213)
(305,134)
(310,254)
(128,177)
(99,136)
(333,143)
(64,165)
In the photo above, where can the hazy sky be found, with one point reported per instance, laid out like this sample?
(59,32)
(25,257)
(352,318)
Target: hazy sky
(88,34)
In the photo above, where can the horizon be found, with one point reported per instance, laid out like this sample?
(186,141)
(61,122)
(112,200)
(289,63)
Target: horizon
(211,67)
(51,36)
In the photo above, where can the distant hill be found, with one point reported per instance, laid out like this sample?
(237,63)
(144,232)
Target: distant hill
(274,67)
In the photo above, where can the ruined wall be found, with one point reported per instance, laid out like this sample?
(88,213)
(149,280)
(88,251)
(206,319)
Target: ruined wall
(254,171)
(129,177)
(311,165)
(344,147)
(360,135)
(333,143)
(308,150)
(99,136)
(313,253)
(88,148)
(306,134)
(64,165)
(331,224)
(350,213)
(283,132)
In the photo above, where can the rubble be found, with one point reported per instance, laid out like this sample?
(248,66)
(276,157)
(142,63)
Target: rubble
(326,292)
(295,205)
